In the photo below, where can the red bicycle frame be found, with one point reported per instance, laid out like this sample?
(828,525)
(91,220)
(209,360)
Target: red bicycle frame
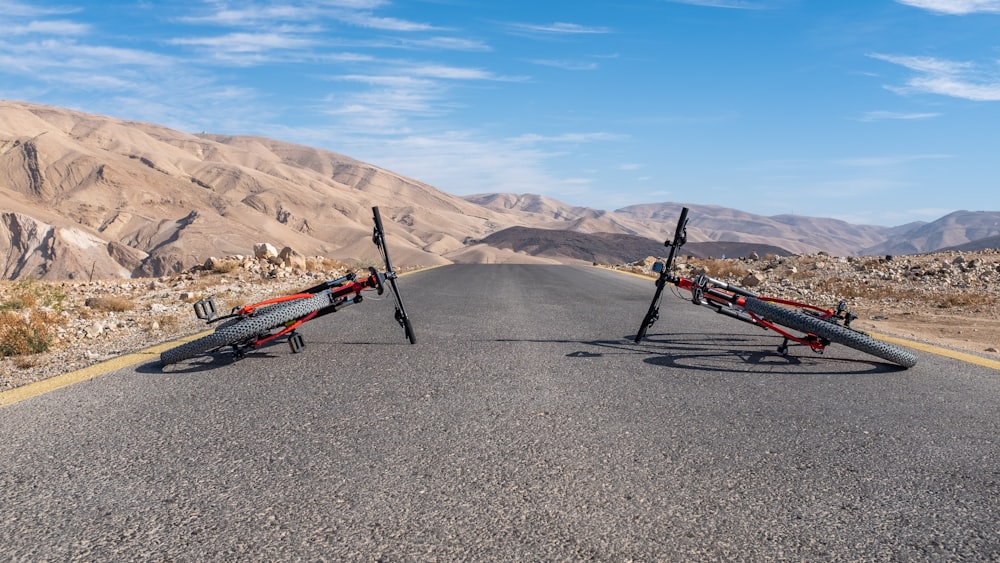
(729,300)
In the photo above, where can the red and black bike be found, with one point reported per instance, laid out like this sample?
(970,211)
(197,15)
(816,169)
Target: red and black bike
(796,322)
(252,326)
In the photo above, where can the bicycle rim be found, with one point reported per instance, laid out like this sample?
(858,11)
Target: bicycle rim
(240,331)
(833,332)
(652,314)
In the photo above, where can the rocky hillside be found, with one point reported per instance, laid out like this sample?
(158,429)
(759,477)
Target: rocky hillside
(86,195)
(91,197)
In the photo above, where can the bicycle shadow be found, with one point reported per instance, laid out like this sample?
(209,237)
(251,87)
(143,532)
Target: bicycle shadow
(700,351)
(201,363)
(731,353)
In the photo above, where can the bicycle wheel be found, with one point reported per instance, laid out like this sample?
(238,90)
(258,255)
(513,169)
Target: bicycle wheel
(833,332)
(653,313)
(242,330)
(408,330)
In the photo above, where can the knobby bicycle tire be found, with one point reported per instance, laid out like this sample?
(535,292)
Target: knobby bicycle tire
(238,331)
(802,322)
(408,330)
(653,313)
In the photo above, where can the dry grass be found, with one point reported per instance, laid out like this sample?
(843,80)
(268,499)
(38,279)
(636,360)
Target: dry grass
(225,266)
(161,323)
(29,316)
(27,332)
(28,294)
(110,304)
(722,268)
(848,289)
(957,300)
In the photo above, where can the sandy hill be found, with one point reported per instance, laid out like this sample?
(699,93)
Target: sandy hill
(88,195)
(85,193)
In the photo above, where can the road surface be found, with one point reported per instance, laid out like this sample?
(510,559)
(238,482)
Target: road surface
(523,425)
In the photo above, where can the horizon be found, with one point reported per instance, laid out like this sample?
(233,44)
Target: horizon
(874,113)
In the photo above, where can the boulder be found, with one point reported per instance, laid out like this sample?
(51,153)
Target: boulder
(264,251)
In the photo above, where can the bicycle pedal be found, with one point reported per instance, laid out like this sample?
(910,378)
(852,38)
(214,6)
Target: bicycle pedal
(296,342)
(206,309)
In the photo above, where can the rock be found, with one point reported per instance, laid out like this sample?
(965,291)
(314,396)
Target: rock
(292,259)
(264,251)
(94,330)
(752,279)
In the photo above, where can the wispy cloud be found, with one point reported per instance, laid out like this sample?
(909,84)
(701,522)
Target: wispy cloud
(12,9)
(956,7)
(358,14)
(394,94)
(447,44)
(731,4)
(247,42)
(559,28)
(52,55)
(891,160)
(888,115)
(533,139)
(948,78)
(56,27)
(567,64)
(386,24)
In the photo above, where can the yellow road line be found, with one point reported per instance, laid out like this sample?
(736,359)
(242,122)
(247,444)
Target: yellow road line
(89,372)
(969,358)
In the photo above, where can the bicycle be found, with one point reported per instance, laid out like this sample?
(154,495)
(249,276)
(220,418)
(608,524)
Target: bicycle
(819,327)
(252,326)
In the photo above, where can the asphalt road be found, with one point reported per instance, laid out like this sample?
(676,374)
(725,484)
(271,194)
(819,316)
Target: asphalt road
(523,425)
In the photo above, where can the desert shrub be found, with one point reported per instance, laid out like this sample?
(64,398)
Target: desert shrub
(961,300)
(721,268)
(225,266)
(802,274)
(109,304)
(164,323)
(27,294)
(26,333)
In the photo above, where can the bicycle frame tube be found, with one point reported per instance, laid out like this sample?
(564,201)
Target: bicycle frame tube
(729,299)
(338,299)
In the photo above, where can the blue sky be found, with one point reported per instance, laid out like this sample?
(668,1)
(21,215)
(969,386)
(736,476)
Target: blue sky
(872,111)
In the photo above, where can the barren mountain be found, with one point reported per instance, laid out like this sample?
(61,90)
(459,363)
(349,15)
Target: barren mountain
(967,229)
(802,235)
(84,195)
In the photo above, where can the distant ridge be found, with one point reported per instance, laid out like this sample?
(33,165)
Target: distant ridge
(611,248)
(988,243)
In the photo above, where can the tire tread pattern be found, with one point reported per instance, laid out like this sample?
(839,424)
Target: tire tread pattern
(239,330)
(833,332)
